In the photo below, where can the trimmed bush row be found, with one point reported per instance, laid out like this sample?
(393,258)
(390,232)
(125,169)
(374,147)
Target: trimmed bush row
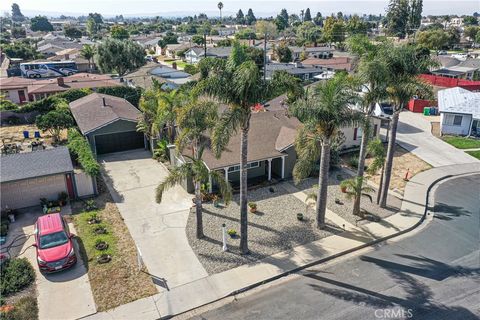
(80,147)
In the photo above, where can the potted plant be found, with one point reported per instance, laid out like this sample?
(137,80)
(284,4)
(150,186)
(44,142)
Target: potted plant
(253,207)
(215,200)
(93,219)
(100,230)
(300,216)
(101,245)
(232,233)
(62,198)
(344,186)
(104,258)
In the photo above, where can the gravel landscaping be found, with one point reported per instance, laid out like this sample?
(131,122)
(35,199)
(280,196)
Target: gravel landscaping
(345,207)
(273,228)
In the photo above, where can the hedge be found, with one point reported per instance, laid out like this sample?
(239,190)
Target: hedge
(16,274)
(7,105)
(80,147)
(49,103)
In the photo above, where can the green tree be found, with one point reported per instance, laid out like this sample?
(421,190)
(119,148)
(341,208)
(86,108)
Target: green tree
(17,15)
(308,15)
(18,32)
(118,56)
(40,23)
(195,120)
(404,66)
(238,84)
(471,32)
(240,18)
(318,20)
(333,30)
(355,25)
(119,32)
(283,53)
(55,121)
(220,7)
(250,17)
(323,112)
(88,52)
(470,21)
(308,32)
(433,39)
(397,18)
(355,189)
(20,50)
(282,20)
(190,68)
(72,32)
(92,27)
(376,150)
(198,39)
(415,15)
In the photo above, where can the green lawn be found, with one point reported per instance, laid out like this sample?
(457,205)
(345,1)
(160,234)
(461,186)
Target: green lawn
(475,154)
(180,63)
(462,142)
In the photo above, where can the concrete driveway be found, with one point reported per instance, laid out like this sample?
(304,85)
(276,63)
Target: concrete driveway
(414,135)
(157,229)
(61,296)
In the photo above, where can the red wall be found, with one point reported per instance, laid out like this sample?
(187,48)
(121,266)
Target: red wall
(417,105)
(451,82)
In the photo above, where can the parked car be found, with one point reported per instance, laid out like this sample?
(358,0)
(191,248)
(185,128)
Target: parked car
(383,109)
(53,243)
(442,53)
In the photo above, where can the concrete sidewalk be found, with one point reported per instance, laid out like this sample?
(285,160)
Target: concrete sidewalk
(414,134)
(211,288)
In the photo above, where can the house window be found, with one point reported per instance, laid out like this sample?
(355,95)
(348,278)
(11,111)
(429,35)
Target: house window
(250,165)
(453,120)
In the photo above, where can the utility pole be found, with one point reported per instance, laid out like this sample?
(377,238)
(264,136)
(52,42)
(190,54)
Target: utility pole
(265,57)
(205,43)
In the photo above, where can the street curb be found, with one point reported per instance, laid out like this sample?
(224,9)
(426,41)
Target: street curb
(334,256)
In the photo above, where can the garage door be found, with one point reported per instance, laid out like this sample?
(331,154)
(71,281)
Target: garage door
(27,193)
(122,141)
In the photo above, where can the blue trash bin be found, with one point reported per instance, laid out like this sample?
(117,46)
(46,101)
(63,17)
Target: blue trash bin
(37,134)
(26,134)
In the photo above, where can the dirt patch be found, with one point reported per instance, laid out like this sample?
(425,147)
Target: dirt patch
(119,281)
(15,133)
(403,162)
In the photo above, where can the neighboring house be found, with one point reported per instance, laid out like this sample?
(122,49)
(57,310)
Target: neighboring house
(172,49)
(14,89)
(459,112)
(310,52)
(226,31)
(331,64)
(170,78)
(195,54)
(296,69)
(27,177)
(271,151)
(454,68)
(109,123)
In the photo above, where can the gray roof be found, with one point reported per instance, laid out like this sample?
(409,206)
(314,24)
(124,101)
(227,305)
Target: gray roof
(292,68)
(97,110)
(459,100)
(222,52)
(470,63)
(27,165)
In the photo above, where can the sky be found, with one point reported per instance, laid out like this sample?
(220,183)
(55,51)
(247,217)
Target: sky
(261,8)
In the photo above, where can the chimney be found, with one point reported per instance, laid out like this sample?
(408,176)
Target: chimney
(60,81)
(104,103)
(174,65)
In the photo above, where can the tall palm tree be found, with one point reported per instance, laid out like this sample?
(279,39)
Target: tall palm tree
(168,103)
(323,112)
(220,7)
(239,84)
(88,52)
(376,150)
(404,64)
(372,71)
(148,123)
(194,121)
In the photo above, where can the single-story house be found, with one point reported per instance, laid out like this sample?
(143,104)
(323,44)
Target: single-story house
(195,54)
(310,52)
(27,177)
(459,112)
(296,69)
(271,151)
(330,64)
(169,77)
(172,49)
(109,123)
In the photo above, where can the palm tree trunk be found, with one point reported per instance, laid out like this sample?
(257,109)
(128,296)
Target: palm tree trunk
(198,210)
(321,206)
(389,159)
(379,191)
(361,164)
(243,190)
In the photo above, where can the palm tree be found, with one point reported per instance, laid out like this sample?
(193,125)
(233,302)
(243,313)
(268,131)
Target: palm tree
(194,120)
(376,150)
(88,52)
(355,189)
(372,71)
(323,112)
(220,7)
(239,84)
(404,64)
(168,102)
(148,123)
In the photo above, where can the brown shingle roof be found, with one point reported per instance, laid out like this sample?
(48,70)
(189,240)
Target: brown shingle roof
(96,110)
(336,63)
(76,81)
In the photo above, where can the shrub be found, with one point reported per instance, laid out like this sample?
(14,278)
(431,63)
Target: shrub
(74,94)
(232,232)
(42,106)
(80,147)
(55,121)
(25,308)
(132,95)
(190,68)
(7,105)
(16,274)
(353,161)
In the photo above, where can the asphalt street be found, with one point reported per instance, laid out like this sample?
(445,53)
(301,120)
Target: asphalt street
(433,275)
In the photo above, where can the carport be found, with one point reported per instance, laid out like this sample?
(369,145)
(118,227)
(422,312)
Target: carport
(109,123)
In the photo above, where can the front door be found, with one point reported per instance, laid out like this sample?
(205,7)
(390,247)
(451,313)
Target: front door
(21,96)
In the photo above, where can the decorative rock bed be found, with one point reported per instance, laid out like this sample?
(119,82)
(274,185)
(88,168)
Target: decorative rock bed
(274,227)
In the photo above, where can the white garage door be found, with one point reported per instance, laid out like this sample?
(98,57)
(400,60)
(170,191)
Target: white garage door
(27,193)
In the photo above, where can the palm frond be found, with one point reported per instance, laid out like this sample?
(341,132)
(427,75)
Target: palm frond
(176,176)
(227,126)
(223,185)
